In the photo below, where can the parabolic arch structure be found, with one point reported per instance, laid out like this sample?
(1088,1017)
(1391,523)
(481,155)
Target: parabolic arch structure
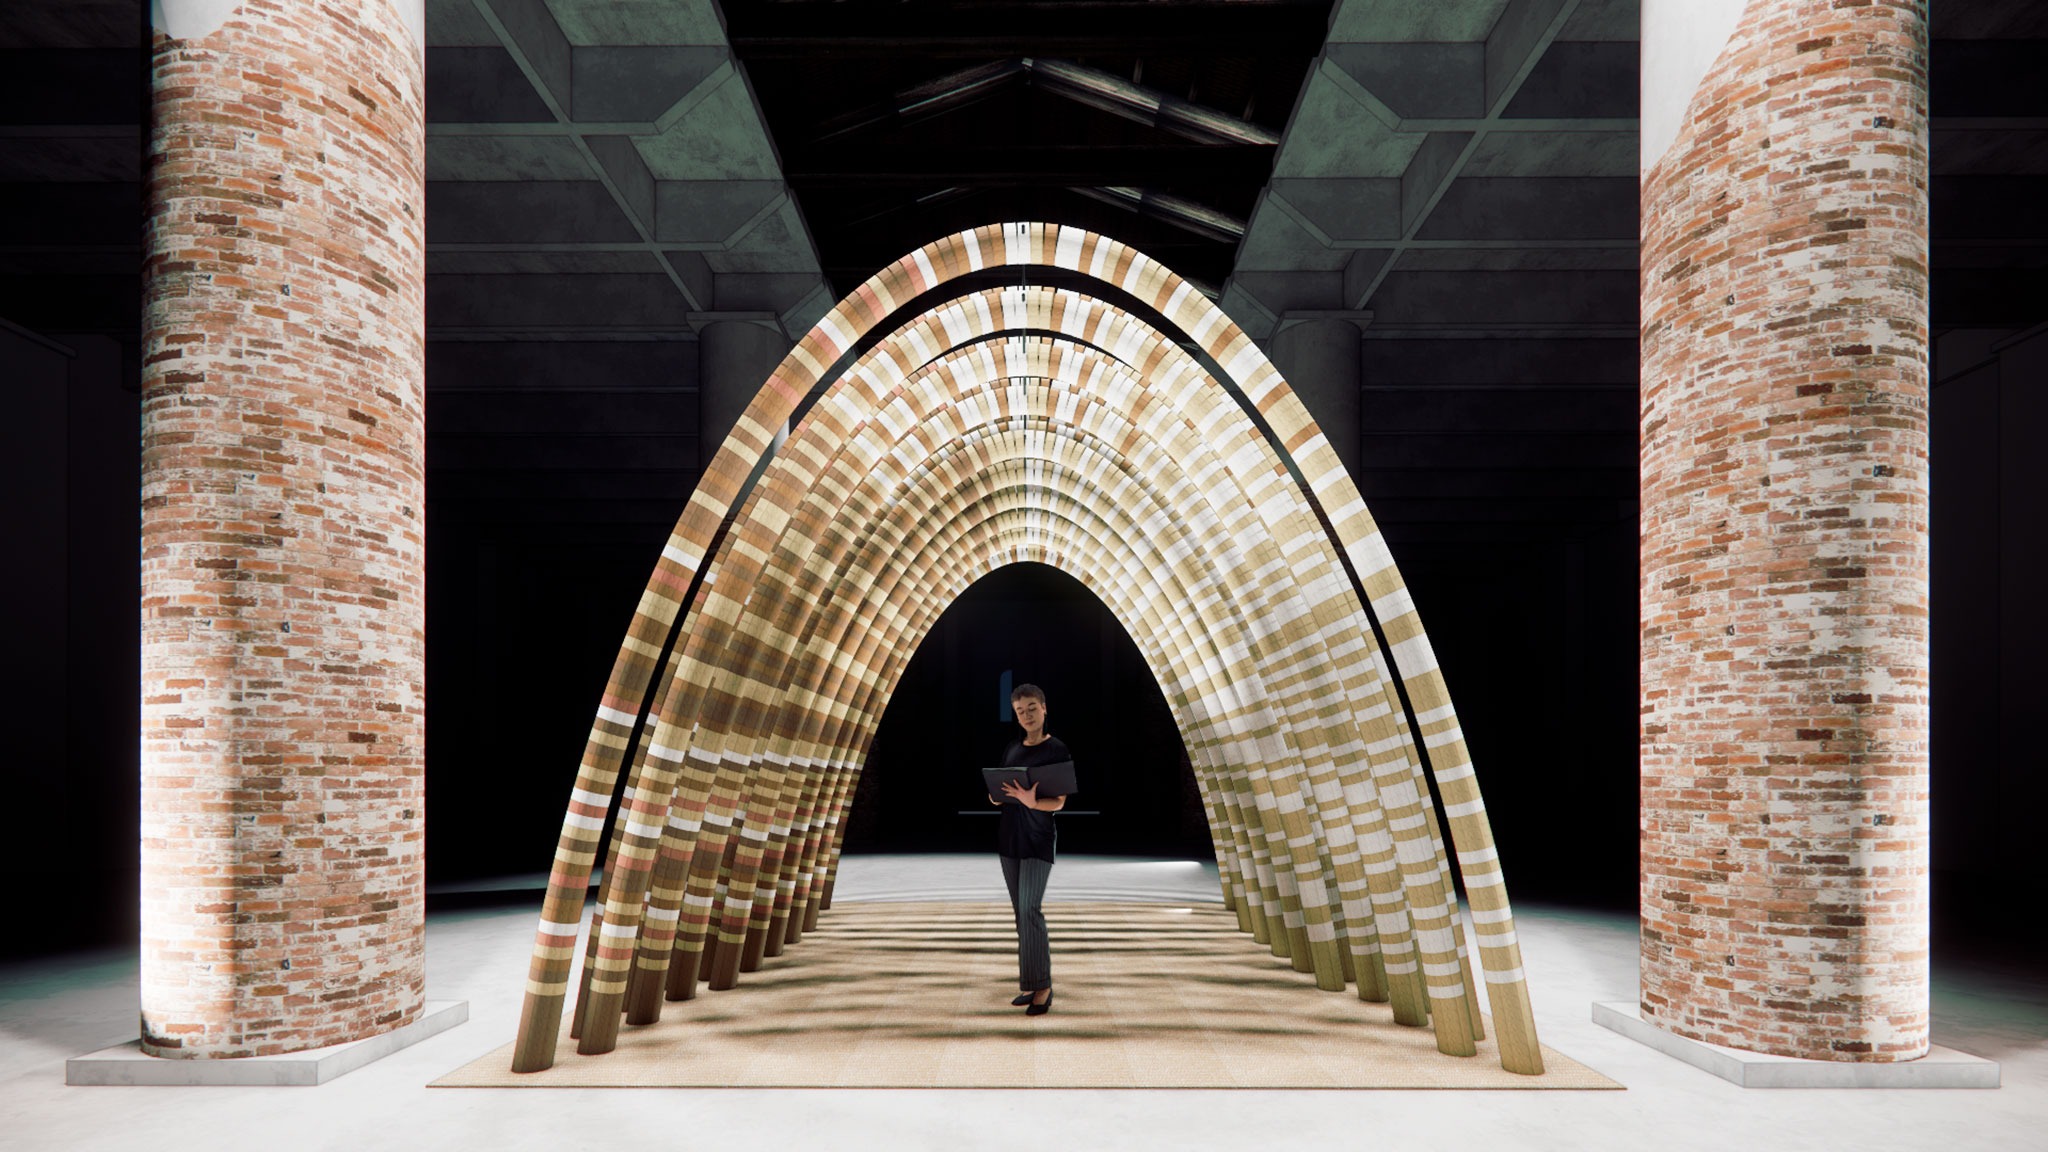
(1027,423)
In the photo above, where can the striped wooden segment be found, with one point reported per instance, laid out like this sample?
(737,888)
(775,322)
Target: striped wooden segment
(821,591)
(939,605)
(1041,320)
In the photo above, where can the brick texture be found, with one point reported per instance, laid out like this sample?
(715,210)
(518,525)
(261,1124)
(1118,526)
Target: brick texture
(1784,541)
(282,531)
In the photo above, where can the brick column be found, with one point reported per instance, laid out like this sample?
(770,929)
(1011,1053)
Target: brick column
(1784,525)
(282,509)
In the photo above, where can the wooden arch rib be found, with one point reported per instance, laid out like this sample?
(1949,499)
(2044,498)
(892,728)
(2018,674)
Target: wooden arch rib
(861,374)
(891,546)
(687,552)
(1296,531)
(1041,322)
(707,721)
(1164,679)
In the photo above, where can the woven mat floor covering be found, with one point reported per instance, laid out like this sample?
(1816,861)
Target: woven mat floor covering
(916,995)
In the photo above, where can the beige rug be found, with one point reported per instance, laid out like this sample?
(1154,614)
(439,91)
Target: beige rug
(917,996)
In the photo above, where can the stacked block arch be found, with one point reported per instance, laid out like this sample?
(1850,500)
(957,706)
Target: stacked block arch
(1014,424)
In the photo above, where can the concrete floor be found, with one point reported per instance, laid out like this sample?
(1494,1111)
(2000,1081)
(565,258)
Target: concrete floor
(53,1009)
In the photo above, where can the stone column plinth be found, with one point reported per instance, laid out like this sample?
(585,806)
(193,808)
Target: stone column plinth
(1784,526)
(283,502)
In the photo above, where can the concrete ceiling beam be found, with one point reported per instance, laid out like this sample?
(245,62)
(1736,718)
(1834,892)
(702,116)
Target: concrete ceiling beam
(497,114)
(528,31)
(1520,37)
(1453,93)
(1572,81)
(709,215)
(1363,271)
(502,158)
(1289,294)
(1341,212)
(480,84)
(540,128)
(1429,175)
(775,292)
(497,260)
(619,161)
(628,82)
(633,93)
(1417,80)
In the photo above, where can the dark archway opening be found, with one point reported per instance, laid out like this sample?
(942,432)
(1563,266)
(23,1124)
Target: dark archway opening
(948,718)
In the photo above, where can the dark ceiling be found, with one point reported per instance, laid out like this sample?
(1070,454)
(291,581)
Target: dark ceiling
(633,169)
(912,120)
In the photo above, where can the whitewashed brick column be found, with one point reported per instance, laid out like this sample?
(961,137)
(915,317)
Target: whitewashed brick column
(1784,525)
(283,501)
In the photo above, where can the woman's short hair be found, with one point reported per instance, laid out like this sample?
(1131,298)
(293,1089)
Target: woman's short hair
(1027,692)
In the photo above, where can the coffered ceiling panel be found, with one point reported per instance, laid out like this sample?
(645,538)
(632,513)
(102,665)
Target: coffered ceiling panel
(638,21)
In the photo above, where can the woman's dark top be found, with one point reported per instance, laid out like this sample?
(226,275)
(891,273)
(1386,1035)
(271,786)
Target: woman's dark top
(1027,833)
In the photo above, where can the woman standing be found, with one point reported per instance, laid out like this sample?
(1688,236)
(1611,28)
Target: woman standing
(1024,841)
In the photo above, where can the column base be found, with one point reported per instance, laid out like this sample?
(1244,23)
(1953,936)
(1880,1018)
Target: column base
(1940,1068)
(127,1065)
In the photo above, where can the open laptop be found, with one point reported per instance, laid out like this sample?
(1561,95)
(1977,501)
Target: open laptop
(1052,780)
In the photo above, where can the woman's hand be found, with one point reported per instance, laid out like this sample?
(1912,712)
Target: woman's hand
(1022,795)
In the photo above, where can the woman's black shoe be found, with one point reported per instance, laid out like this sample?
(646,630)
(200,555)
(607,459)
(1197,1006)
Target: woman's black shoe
(1041,1009)
(1022,999)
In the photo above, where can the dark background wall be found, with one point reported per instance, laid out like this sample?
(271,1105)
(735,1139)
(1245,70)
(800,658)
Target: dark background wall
(73,661)
(1990,537)
(1503,473)
(921,790)
(554,472)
